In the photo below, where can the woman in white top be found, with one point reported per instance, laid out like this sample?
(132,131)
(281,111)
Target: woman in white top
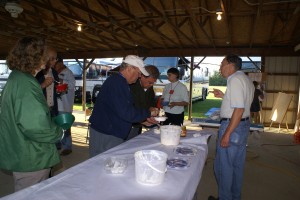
(175,97)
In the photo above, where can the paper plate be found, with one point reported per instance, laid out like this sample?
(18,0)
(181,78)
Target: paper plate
(185,151)
(178,163)
(160,119)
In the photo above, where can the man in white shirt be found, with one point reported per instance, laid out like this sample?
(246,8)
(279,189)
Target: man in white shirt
(66,101)
(234,129)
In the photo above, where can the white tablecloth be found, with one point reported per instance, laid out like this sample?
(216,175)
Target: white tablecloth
(89,181)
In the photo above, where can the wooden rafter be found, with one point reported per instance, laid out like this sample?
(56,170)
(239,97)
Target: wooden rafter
(165,18)
(83,21)
(255,22)
(112,21)
(139,21)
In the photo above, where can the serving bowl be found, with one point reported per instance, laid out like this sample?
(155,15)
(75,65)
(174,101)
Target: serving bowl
(64,120)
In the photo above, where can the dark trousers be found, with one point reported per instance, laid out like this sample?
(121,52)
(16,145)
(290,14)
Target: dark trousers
(174,119)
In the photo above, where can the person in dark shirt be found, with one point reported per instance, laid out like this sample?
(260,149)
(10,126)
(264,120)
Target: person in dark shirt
(48,79)
(255,106)
(143,95)
(114,111)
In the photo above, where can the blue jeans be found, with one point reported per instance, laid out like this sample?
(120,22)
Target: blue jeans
(230,161)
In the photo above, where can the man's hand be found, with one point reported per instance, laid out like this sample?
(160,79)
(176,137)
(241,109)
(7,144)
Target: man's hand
(225,141)
(154,111)
(218,93)
(172,104)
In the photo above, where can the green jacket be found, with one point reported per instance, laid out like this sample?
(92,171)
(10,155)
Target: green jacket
(27,134)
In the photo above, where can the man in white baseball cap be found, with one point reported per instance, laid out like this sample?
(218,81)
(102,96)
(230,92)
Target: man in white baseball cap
(136,62)
(114,111)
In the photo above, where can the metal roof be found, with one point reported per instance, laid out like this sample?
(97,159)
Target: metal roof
(115,28)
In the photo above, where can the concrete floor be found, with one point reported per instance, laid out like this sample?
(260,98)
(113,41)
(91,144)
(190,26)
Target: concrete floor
(272,168)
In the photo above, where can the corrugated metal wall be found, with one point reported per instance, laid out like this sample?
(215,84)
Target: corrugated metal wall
(281,75)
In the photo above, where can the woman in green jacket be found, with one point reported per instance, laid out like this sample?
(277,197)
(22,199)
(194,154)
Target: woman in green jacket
(27,133)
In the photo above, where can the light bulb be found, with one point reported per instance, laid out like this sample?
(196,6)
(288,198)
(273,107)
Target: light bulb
(79,27)
(219,12)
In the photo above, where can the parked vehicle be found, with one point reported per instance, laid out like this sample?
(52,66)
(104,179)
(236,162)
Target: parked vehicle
(200,75)
(96,74)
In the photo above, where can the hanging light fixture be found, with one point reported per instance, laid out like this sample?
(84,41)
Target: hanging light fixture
(219,13)
(13,8)
(79,27)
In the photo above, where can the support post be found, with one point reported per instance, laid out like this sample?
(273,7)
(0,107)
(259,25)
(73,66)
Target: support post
(190,106)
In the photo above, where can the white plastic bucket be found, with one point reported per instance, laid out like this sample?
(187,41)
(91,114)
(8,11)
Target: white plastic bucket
(150,166)
(170,134)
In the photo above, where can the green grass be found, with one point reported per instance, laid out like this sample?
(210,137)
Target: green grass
(78,106)
(199,108)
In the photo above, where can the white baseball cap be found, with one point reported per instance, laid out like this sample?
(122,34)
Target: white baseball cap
(136,62)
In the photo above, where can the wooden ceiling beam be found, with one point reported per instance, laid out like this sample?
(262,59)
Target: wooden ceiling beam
(61,31)
(242,51)
(285,21)
(112,21)
(193,32)
(296,32)
(165,18)
(193,18)
(139,21)
(254,23)
(111,26)
(78,19)
(227,19)
(272,31)
(32,30)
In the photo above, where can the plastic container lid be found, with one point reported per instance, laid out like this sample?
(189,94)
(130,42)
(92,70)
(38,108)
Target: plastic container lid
(185,150)
(178,163)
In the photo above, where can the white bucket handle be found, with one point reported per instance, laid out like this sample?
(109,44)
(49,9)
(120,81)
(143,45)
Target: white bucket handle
(157,170)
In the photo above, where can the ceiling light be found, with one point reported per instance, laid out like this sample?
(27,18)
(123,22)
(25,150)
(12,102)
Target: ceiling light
(79,27)
(219,13)
(13,8)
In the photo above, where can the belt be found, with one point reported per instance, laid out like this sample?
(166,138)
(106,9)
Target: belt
(228,119)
